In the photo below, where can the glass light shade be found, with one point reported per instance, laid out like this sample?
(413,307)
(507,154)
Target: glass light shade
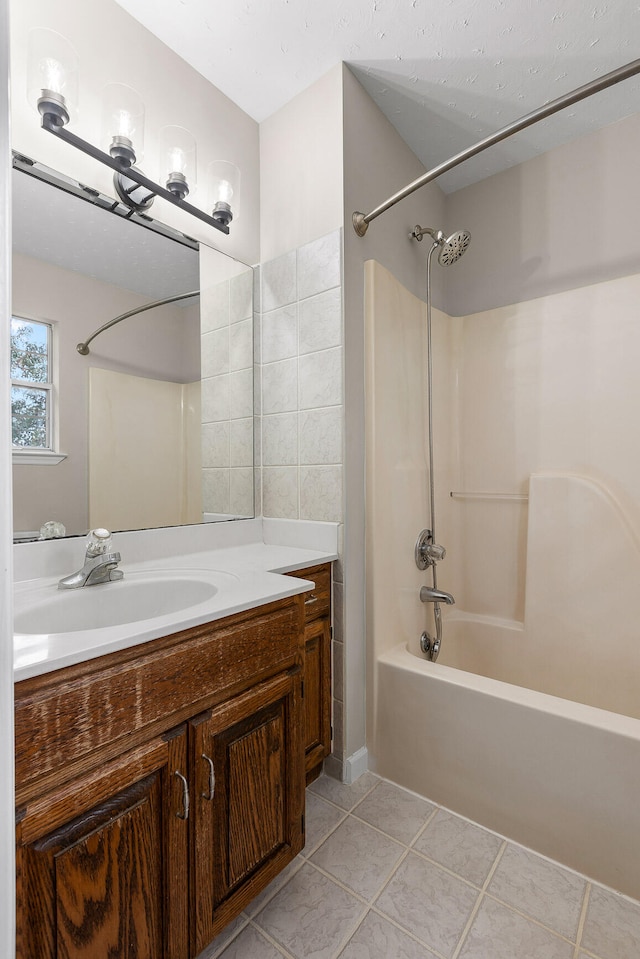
(223,178)
(52,73)
(178,160)
(123,121)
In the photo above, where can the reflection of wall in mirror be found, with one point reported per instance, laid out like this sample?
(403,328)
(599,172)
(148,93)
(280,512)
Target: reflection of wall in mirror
(226,316)
(153,344)
(143,469)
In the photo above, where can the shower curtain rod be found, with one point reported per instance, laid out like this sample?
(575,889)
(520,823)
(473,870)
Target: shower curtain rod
(361,221)
(83,348)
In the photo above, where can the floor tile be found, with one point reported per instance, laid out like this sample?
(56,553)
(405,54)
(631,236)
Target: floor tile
(395,811)
(343,794)
(311,915)
(251,944)
(499,933)
(320,819)
(215,948)
(358,856)
(274,886)
(459,845)
(612,925)
(541,889)
(377,938)
(429,902)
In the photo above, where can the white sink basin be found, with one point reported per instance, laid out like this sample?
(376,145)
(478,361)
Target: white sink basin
(146,595)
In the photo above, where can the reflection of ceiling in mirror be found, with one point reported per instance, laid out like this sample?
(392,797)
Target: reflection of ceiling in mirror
(46,221)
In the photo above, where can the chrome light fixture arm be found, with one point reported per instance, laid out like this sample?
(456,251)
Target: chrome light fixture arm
(53,122)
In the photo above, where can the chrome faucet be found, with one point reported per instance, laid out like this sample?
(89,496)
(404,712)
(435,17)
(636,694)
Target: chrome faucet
(100,563)
(429,594)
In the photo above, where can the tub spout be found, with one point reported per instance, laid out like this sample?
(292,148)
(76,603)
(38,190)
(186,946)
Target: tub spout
(428,594)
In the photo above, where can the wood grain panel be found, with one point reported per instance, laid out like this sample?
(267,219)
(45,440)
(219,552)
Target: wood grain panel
(256,804)
(95,884)
(318,601)
(59,723)
(253,826)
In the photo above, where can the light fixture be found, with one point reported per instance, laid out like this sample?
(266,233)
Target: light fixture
(53,84)
(122,134)
(224,183)
(178,158)
(52,74)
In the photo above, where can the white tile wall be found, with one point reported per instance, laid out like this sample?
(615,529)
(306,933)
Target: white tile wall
(302,380)
(227,390)
(299,429)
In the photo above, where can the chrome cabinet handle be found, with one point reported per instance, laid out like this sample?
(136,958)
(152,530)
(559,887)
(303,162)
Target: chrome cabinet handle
(185,797)
(312,599)
(212,778)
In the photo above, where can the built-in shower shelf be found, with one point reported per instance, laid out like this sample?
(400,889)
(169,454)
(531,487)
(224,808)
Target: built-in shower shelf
(487,494)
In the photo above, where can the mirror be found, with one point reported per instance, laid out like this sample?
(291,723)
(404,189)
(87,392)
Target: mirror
(154,426)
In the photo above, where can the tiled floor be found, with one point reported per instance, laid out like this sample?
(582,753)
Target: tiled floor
(387,875)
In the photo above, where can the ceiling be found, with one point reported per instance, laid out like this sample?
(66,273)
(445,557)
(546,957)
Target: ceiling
(446,73)
(51,225)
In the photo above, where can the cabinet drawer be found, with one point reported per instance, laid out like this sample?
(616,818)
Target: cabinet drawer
(318,601)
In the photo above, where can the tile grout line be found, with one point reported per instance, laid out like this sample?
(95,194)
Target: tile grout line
(582,920)
(478,903)
(407,932)
(525,915)
(306,854)
(274,942)
(344,943)
(423,828)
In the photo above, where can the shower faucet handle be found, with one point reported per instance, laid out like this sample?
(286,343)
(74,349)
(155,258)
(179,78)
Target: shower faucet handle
(427,553)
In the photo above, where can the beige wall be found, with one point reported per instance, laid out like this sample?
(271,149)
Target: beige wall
(557,222)
(112,46)
(301,168)
(154,344)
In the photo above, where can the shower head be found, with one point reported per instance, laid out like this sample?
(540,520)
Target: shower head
(451,247)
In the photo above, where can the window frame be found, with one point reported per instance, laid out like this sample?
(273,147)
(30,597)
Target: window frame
(42,455)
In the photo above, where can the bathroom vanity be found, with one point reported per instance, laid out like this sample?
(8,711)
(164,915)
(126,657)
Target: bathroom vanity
(160,787)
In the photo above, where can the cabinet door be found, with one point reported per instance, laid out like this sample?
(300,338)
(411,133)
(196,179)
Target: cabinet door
(317,695)
(248,799)
(102,862)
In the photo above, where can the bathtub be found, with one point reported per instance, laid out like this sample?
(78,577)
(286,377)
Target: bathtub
(558,776)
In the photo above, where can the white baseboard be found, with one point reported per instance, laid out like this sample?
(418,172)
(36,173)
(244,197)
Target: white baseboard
(350,769)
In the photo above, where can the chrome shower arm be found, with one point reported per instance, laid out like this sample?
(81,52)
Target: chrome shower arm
(361,221)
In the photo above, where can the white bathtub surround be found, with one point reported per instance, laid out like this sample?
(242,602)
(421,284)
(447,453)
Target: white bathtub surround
(392,875)
(119,465)
(302,404)
(545,584)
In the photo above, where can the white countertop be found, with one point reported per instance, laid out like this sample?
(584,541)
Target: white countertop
(253,578)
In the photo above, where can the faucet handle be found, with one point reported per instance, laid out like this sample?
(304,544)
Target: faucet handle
(98,541)
(427,552)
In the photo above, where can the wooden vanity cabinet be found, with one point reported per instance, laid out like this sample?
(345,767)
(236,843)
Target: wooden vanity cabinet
(248,807)
(102,862)
(159,789)
(317,670)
